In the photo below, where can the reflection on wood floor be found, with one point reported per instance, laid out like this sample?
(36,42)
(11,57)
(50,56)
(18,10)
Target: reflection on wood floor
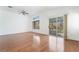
(34,42)
(24,42)
(71,46)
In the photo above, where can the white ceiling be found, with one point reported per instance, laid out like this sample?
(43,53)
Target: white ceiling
(30,9)
(35,9)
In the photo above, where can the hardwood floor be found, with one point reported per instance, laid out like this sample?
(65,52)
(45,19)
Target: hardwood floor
(32,42)
(24,42)
(71,46)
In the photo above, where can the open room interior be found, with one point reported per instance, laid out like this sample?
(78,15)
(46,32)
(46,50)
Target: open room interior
(39,29)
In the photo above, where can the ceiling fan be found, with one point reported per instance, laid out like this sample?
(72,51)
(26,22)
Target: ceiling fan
(23,12)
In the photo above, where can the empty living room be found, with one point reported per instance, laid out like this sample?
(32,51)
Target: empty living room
(39,28)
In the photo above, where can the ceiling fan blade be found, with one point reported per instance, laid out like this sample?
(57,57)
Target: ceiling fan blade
(27,13)
(10,6)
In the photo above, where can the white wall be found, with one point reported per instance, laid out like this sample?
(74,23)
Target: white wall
(44,18)
(73,26)
(72,21)
(11,23)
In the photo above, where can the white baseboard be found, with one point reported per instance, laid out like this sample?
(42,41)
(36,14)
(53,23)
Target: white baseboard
(14,33)
(73,39)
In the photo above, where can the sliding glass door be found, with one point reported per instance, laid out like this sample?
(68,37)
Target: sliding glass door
(56,34)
